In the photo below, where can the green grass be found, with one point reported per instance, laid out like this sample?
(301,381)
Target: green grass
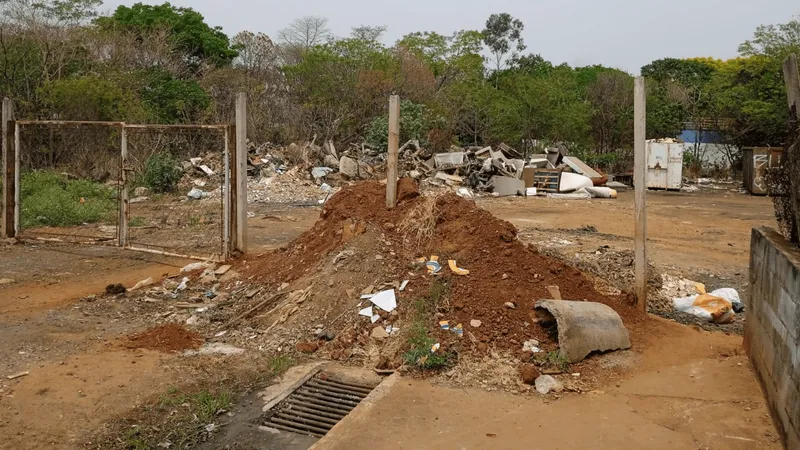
(137,221)
(204,404)
(50,199)
(281,363)
(419,342)
(557,359)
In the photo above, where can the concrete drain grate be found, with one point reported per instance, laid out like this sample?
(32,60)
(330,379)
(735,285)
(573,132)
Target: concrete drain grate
(316,406)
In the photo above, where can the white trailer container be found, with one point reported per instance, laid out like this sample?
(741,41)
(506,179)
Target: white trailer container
(664,165)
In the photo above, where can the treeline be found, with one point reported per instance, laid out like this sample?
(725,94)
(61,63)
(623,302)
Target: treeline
(166,64)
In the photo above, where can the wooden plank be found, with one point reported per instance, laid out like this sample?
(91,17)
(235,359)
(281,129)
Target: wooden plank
(640,183)
(241,172)
(7,228)
(394,144)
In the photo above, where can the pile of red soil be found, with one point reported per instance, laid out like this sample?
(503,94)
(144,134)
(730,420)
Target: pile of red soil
(502,269)
(169,338)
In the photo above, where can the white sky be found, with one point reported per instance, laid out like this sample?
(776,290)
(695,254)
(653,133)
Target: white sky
(626,34)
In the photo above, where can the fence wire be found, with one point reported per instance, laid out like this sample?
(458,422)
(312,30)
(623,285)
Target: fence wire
(175,179)
(70,182)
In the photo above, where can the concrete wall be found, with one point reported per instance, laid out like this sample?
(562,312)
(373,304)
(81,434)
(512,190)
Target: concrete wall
(772,335)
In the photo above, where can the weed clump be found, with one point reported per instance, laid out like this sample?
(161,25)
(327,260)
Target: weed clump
(52,199)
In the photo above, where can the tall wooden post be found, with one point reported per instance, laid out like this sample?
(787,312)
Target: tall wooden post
(394,144)
(241,172)
(640,184)
(8,143)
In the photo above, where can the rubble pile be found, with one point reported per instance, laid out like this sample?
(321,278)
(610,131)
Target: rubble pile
(308,172)
(358,247)
(364,280)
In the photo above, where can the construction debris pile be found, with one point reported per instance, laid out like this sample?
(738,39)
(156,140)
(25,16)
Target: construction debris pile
(309,173)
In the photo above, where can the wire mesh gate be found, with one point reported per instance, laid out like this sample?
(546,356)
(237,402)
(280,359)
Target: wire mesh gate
(155,188)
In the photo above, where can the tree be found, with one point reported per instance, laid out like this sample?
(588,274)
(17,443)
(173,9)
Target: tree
(503,35)
(73,11)
(199,42)
(305,32)
(368,33)
(773,41)
(611,98)
(257,53)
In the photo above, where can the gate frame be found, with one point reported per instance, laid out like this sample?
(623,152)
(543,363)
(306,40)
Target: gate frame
(234,198)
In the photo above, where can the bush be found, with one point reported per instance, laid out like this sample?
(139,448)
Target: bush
(162,172)
(50,199)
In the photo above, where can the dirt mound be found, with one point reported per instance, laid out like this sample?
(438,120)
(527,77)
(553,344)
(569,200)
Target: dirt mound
(360,245)
(168,338)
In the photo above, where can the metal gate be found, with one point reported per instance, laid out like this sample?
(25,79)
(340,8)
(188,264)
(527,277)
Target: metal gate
(154,188)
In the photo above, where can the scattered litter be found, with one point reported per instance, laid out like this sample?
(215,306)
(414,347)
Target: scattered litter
(444,325)
(326,188)
(555,292)
(18,375)
(379,332)
(195,266)
(458,330)
(216,348)
(433,267)
(181,287)
(342,255)
(375,318)
(221,333)
(367,296)
(207,170)
(141,284)
(546,383)
(435,347)
(456,270)
(366,312)
(385,300)
(530,192)
(403,285)
(197,194)
(465,192)
(474,323)
(719,306)
(531,346)
(320,172)
(222,270)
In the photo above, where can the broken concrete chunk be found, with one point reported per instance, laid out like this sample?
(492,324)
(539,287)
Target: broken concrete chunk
(348,167)
(583,327)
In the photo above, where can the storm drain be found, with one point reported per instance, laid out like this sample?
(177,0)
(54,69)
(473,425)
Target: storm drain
(316,406)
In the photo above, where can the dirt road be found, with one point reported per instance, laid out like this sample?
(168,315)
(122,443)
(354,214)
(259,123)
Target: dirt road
(700,231)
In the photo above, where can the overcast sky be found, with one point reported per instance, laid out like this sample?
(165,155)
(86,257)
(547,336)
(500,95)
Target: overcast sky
(626,34)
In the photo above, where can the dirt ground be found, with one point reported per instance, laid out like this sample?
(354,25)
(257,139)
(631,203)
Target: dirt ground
(699,395)
(81,376)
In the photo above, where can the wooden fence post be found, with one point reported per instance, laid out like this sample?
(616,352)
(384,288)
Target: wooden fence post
(241,172)
(640,184)
(8,139)
(394,144)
